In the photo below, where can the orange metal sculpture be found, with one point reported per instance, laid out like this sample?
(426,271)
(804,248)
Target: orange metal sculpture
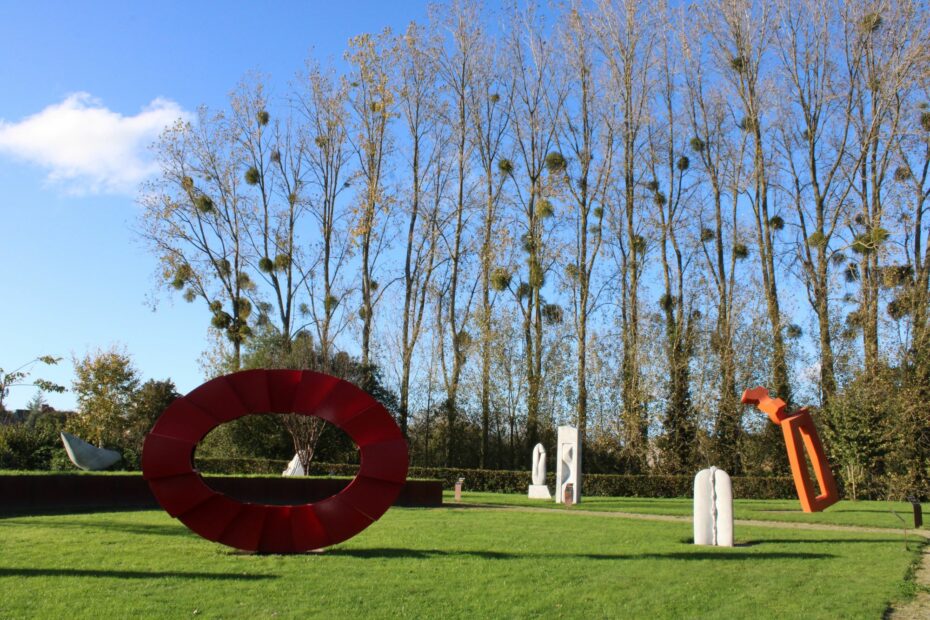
(800,435)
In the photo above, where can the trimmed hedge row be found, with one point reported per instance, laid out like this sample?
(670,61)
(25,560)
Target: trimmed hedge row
(240,466)
(31,494)
(505,481)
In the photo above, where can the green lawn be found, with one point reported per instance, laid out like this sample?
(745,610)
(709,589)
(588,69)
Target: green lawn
(862,513)
(457,562)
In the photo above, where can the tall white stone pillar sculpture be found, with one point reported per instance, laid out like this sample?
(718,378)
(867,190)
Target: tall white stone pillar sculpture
(713,508)
(568,464)
(539,490)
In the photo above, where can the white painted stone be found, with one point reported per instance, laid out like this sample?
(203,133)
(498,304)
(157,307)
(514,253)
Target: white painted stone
(713,508)
(87,456)
(539,490)
(568,464)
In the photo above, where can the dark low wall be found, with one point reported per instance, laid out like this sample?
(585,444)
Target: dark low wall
(66,492)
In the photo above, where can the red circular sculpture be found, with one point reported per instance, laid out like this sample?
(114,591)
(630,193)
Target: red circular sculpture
(168,453)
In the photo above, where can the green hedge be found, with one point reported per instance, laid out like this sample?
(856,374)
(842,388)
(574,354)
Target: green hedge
(240,466)
(27,447)
(505,481)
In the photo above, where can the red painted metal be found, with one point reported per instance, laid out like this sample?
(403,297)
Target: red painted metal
(800,436)
(167,461)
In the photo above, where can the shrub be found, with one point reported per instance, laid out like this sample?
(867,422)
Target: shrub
(25,447)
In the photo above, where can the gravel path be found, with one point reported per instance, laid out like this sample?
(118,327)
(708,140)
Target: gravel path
(785,525)
(918,608)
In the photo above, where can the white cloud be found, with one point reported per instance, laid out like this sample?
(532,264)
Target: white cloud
(87,147)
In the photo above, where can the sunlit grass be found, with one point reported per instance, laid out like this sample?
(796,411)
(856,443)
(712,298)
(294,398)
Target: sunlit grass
(458,562)
(861,513)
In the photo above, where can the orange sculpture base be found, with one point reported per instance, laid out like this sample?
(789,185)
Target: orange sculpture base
(800,436)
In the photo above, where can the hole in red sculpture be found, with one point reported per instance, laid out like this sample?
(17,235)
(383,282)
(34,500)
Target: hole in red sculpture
(245,477)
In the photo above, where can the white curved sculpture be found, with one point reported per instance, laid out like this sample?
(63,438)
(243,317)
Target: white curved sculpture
(539,464)
(539,490)
(568,465)
(713,508)
(88,457)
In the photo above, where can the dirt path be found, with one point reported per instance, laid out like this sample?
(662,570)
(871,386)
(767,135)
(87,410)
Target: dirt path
(918,608)
(785,525)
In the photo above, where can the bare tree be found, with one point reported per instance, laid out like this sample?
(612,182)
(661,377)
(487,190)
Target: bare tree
(741,33)
(534,107)
(371,100)
(417,97)
(490,118)
(320,101)
(720,161)
(882,55)
(814,134)
(913,276)
(456,65)
(670,164)
(627,36)
(272,152)
(195,218)
(586,137)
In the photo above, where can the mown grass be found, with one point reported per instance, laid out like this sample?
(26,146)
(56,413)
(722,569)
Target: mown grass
(860,513)
(454,562)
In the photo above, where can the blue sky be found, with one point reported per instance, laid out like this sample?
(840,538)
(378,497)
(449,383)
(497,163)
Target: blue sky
(85,87)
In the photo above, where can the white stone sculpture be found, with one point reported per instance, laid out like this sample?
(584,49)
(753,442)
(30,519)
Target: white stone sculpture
(568,464)
(294,468)
(86,456)
(713,508)
(539,490)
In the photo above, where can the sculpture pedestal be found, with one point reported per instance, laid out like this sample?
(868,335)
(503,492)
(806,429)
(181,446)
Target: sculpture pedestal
(539,491)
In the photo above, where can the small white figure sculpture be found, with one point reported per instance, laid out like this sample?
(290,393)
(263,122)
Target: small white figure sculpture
(713,508)
(86,456)
(294,468)
(539,490)
(568,465)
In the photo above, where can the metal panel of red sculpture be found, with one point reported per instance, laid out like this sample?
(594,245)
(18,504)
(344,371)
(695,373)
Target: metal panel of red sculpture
(168,454)
(800,436)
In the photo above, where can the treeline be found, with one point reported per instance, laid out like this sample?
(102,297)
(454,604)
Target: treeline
(115,410)
(616,215)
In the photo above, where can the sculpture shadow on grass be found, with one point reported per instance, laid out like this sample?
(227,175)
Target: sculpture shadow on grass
(115,526)
(16,513)
(423,554)
(127,574)
(420,554)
